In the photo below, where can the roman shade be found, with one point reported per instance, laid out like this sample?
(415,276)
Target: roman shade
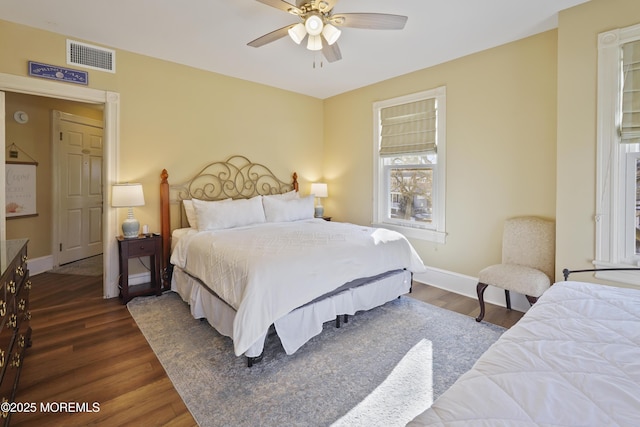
(408,128)
(630,130)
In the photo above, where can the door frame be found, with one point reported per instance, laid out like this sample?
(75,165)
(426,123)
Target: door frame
(56,117)
(111,102)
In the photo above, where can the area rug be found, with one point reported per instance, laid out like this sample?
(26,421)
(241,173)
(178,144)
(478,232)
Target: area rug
(337,377)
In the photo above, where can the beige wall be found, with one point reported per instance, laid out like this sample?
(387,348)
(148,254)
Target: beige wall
(501,140)
(34,140)
(179,118)
(520,131)
(577,83)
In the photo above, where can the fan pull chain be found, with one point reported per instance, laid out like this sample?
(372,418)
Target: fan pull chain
(315,58)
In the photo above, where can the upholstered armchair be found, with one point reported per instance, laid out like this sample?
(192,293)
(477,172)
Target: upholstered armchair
(528,261)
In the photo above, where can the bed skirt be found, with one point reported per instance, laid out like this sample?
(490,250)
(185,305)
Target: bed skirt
(303,323)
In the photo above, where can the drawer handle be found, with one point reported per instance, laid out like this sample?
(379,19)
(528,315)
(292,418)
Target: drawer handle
(2,358)
(15,361)
(12,287)
(20,271)
(27,315)
(13,321)
(3,308)
(24,258)
(21,340)
(22,304)
(27,285)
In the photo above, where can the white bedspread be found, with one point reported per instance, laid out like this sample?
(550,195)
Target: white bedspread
(267,270)
(572,360)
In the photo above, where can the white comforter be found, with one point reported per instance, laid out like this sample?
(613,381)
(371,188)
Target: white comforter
(572,360)
(267,270)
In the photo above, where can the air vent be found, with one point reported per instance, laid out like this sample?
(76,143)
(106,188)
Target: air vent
(89,56)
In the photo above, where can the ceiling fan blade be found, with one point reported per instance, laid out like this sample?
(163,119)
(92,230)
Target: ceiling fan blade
(283,6)
(332,53)
(270,37)
(372,21)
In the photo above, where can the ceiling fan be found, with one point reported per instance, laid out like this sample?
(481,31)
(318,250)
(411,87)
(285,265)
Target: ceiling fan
(319,23)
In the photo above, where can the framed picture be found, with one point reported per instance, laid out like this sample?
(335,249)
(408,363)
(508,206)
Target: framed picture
(20,191)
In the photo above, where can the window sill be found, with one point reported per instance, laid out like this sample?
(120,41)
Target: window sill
(415,233)
(628,277)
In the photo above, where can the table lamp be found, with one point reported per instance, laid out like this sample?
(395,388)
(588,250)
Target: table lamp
(319,190)
(127,196)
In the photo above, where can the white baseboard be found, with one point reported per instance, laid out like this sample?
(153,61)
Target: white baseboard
(466,285)
(40,265)
(45,263)
(139,279)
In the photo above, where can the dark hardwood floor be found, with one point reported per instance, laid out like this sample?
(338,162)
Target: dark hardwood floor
(464,305)
(87,349)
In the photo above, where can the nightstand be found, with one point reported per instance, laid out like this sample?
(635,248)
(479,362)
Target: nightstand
(141,246)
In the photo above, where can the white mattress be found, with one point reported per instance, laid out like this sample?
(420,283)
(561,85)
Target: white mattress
(572,360)
(266,271)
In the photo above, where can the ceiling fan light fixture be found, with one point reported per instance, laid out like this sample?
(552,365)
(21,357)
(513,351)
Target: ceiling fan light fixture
(314,42)
(331,34)
(322,5)
(297,33)
(314,25)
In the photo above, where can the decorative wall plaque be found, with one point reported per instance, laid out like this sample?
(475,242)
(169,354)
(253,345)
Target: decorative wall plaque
(54,72)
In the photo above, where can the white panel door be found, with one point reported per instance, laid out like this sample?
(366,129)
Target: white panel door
(80,179)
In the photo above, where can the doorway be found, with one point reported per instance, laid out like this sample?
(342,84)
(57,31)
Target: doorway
(111,102)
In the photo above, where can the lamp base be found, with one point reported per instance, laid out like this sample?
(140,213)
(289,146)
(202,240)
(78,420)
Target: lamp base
(130,228)
(319,211)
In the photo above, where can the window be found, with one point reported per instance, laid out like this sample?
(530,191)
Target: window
(618,168)
(409,164)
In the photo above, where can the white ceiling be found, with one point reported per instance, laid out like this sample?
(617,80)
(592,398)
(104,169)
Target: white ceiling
(213,35)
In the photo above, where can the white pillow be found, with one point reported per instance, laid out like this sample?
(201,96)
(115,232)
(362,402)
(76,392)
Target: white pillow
(278,210)
(236,213)
(290,195)
(190,211)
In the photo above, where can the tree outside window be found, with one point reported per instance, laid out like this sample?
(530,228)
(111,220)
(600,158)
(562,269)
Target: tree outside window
(411,193)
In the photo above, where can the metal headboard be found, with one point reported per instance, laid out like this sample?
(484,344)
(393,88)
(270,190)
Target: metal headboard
(235,178)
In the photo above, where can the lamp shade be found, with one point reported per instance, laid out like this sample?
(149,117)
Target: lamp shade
(331,34)
(127,195)
(314,25)
(319,189)
(314,43)
(298,33)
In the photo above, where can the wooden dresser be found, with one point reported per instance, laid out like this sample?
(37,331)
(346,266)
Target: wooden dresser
(15,332)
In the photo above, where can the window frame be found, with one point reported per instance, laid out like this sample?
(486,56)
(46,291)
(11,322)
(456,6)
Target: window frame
(614,179)
(436,231)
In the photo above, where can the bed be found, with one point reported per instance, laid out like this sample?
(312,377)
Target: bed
(251,258)
(572,360)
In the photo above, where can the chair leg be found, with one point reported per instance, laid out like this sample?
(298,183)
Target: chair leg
(532,300)
(480,289)
(507,296)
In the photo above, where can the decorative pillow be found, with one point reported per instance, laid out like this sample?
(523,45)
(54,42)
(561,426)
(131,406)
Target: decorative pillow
(290,195)
(235,213)
(278,210)
(190,211)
